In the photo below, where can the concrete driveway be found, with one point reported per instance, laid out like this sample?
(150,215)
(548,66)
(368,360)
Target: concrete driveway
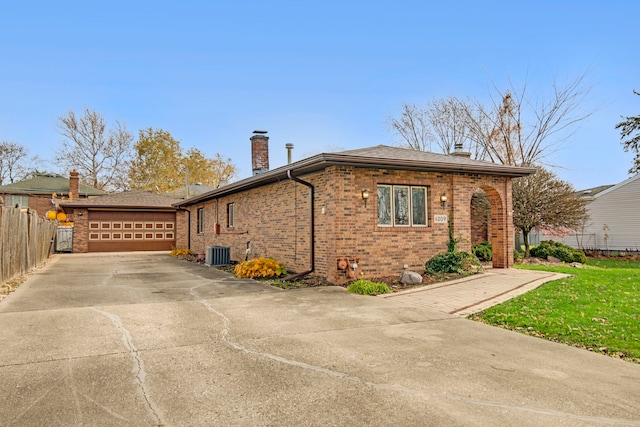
(142,339)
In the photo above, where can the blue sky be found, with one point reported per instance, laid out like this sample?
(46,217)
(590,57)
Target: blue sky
(323,75)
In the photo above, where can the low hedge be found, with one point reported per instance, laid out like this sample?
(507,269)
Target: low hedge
(559,250)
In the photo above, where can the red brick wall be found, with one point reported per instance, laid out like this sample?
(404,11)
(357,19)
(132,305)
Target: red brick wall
(182,229)
(382,251)
(266,217)
(275,219)
(41,204)
(80,218)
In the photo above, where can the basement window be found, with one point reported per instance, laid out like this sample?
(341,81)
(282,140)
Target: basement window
(402,206)
(230,215)
(200,220)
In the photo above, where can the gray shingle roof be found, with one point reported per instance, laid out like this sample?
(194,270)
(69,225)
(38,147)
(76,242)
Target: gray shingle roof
(379,156)
(127,199)
(590,192)
(408,154)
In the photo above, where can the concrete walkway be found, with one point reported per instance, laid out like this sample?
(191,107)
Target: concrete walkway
(473,294)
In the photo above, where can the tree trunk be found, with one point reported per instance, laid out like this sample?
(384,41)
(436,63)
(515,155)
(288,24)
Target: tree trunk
(525,238)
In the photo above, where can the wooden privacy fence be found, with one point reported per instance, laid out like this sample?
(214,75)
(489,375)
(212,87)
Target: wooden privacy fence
(25,241)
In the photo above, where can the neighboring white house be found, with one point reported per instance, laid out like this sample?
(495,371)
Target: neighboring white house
(614,218)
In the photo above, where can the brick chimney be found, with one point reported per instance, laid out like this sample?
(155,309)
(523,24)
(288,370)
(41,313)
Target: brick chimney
(259,151)
(458,150)
(74,184)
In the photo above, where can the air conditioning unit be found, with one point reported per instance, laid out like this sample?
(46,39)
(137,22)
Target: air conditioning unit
(217,255)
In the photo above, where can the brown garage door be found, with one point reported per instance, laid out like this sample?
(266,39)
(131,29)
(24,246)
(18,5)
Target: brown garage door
(116,231)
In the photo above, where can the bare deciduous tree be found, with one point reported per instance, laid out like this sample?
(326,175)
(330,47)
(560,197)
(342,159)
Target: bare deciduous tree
(101,155)
(513,129)
(449,119)
(13,162)
(629,127)
(518,130)
(543,201)
(413,127)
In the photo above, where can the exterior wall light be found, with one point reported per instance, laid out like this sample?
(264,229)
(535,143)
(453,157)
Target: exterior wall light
(365,197)
(443,200)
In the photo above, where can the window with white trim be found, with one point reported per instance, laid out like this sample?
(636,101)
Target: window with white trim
(402,206)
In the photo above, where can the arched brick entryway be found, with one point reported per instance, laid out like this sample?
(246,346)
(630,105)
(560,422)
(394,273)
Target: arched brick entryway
(500,229)
(498,190)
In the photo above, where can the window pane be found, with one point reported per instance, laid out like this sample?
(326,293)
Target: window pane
(401,205)
(17,200)
(200,220)
(418,206)
(230,215)
(384,205)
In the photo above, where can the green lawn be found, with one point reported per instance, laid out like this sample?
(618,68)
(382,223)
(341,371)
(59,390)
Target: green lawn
(598,308)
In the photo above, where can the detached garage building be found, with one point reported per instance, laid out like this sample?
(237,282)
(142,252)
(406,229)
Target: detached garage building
(129,221)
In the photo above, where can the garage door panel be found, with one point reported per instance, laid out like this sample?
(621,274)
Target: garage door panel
(112,231)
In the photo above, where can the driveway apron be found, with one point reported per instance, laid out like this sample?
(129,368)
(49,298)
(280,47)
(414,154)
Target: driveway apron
(143,339)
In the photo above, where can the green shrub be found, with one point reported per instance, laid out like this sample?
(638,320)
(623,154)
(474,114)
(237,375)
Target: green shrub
(367,287)
(482,251)
(517,255)
(457,262)
(262,267)
(541,251)
(559,250)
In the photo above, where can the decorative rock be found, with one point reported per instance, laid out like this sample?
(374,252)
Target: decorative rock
(576,265)
(553,259)
(411,278)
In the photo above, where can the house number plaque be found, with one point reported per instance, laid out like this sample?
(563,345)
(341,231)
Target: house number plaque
(440,219)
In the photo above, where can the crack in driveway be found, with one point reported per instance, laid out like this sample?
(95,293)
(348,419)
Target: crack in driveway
(138,370)
(225,337)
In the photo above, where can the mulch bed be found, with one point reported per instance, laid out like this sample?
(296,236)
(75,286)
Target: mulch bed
(313,281)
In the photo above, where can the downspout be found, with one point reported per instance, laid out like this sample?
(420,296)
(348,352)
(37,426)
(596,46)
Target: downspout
(311,222)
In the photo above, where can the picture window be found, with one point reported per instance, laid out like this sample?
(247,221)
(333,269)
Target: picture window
(402,206)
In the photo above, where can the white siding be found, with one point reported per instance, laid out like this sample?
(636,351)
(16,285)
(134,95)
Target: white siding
(619,209)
